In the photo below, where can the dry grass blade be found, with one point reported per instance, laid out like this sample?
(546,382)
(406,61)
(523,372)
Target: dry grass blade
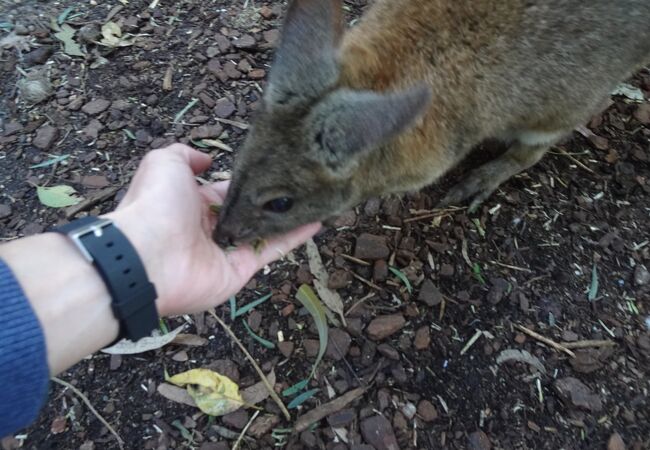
(588,344)
(331,299)
(272,392)
(326,409)
(243,432)
(92,409)
(546,340)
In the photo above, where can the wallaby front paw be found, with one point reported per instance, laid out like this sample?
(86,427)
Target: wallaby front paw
(478,186)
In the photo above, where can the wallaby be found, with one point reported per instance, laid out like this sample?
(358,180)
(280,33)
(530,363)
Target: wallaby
(399,99)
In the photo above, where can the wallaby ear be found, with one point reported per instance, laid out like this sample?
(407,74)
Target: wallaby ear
(349,123)
(305,63)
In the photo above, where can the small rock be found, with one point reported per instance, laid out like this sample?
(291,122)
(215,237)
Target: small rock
(286,348)
(478,441)
(346,219)
(97,106)
(5,210)
(520,338)
(91,131)
(384,326)
(372,207)
(88,445)
(38,56)
(577,394)
(288,310)
(180,356)
(378,432)
(311,347)
(244,42)
(342,418)
(380,270)
(308,439)
(272,37)
(206,132)
(224,108)
(237,419)
(642,113)
(369,246)
(586,361)
(388,351)
(446,270)
(338,344)
(254,320)
(641,275)
(143,138)
(422,338)
(230,69)
(368,352)
(95,181)
(257,74)
(262,425)
(45,137)
(32,228)
(339,279)
(429,294)
(211,52)
(267,12)
(569,336)
(497,290)
(115,362)
(615,442)
(427,411)
(12,127)
(89,33)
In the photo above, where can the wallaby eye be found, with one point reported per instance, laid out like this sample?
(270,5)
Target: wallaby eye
(279,205)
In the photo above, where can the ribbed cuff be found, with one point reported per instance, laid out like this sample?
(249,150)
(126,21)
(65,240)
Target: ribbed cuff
(24,373)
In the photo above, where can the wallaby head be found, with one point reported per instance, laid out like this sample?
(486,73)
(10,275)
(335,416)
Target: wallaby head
(309,137)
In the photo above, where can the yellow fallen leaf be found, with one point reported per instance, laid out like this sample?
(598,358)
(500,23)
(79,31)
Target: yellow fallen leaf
(213,393)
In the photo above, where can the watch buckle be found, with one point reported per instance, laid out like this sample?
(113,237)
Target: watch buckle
(95,228)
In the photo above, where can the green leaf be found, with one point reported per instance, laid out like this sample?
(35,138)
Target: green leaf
(70,46)
(199,144)
(129,133)
(476,269)
(593,289)
(310,300)
(163,326)
(50,162)
(264,342)
(403,278)
(233,307)
(293,390)
(477,224)
(302,398)
(64,15)
(57,196)
(244,309)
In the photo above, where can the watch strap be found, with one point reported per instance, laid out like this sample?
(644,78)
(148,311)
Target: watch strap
(117,262)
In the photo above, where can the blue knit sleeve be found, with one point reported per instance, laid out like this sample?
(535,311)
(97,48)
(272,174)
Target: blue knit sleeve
(24,373)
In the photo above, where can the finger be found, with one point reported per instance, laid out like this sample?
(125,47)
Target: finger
(198,162)
(246,261)
(215,192)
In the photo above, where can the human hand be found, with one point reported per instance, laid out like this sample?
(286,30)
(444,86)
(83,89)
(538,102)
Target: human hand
(166,216)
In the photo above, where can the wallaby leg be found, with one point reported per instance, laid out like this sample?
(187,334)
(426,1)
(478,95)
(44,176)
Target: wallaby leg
(484,180)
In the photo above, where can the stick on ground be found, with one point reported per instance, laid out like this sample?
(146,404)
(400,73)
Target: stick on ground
(545,340)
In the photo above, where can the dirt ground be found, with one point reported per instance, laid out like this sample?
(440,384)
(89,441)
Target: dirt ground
(561,250)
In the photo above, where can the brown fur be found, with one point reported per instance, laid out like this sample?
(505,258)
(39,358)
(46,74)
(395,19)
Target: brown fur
(523,71)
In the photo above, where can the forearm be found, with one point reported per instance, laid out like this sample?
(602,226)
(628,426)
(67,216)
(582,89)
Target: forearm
(67,295)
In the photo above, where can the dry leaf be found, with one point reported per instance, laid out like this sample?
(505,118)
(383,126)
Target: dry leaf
(65,34)
(126,347)
(330,298)
(213,393)
(112,36)
(258,392)
(191,340)
(167,79)
(521,356)
(176,394)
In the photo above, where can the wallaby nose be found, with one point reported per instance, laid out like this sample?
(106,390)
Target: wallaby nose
(224,235)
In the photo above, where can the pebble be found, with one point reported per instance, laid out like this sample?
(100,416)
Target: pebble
(497,290)
(206,131)
(45,137)
(95,181)
(230,69)
(380,270)
(641,275)
(262,425)
(384,326)
(339,279)
(97,106)
(254,320)
(224,108)
(422,338)
(143,138)
(244,42)
(346,219)
(370,246)
(180,356)
(429,293)
(237,419)
(342,418)
(12,127)
(38,56)
(569,336)
(257,74)
(311,347)
(615,442)
(478,440)
(378,432)
(427,411)
(286,348)
(577,394)
(5,210)
(388,351)
(338,344)
(446,270)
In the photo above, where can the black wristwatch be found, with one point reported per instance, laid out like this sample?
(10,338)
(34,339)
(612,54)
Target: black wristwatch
(116,260)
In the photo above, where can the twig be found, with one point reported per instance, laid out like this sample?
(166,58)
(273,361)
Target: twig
(91,201)
(326,409)
(545,340)
(243,432)
(272,392)
(589,343)
(366,282)
(234,123)
(355,260)
(575,160)
(92,409)
(471,342)
(358,303)
(433,214)
(508,266)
